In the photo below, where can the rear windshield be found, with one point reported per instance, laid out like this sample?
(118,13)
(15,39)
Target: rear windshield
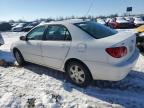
(96,30)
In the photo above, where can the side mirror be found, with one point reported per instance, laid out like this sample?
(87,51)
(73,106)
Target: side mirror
(23,38)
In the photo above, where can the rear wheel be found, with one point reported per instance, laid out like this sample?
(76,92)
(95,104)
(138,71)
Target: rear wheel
(78,74)
(19,58)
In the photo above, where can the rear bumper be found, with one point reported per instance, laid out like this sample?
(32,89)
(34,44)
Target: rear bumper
(104,71)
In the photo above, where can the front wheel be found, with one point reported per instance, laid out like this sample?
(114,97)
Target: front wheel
(19,58)
(78,74)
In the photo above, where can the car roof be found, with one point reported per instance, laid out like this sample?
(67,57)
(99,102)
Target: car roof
(65,22)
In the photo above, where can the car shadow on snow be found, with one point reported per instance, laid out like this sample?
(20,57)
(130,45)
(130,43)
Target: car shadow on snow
(128,92)
(41,70)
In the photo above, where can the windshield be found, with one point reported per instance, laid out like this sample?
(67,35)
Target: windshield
(96,30)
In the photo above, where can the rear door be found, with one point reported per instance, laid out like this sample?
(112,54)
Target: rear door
(56,45)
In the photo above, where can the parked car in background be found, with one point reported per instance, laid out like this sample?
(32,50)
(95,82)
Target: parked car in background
(14,24)
(107,20)
(140,37)
(120,23)
(1,40)
(85,50)
(4,26)
(19,27)
(101,21)
(143,18)
(138,21)
(130,19)
(30,26)
(112,23)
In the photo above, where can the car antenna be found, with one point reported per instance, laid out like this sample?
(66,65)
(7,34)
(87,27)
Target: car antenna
(89,7)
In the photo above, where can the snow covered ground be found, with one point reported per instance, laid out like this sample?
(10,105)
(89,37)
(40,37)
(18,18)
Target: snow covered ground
(35,86)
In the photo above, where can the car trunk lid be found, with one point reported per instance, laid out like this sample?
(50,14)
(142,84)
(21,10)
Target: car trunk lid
(121,39)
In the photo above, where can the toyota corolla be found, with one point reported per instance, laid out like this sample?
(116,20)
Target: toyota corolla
(85,50)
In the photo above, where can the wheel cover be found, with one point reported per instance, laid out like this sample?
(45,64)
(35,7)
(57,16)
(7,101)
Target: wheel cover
(77,74)
(18,57)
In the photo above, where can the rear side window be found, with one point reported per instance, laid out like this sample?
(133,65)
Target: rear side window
(57,33)
(96,30)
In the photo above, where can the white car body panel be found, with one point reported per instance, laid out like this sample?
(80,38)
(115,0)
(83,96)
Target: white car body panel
(31,51)
(86,49)
(106,71)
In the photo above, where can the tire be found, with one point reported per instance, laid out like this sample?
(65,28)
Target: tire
(19,58)
(78,74)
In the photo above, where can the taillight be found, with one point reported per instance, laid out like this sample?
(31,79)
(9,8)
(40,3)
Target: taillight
(117,52)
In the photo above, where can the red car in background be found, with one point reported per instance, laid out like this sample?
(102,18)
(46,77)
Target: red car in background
(120,23)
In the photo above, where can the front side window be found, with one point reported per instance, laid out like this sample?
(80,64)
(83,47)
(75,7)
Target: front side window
(36,34)
(57,33)
(96,30)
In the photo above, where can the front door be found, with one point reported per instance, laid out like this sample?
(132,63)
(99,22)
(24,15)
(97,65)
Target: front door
(32,47)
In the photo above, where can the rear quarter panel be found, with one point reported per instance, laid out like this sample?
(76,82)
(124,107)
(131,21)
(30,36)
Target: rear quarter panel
(84,47)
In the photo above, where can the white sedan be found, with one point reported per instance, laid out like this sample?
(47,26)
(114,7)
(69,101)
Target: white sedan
(18,28)
(138,21)
(85,50)
(1,40)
